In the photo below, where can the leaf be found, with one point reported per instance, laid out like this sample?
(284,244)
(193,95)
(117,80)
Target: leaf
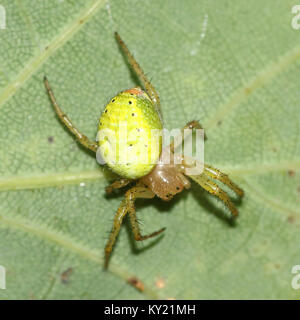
(234,65)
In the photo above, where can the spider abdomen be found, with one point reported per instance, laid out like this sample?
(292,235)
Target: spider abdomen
(129,135)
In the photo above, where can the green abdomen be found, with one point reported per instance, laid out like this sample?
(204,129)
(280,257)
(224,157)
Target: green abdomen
(129,135)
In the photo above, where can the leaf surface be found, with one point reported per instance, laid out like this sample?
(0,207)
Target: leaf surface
(233,65)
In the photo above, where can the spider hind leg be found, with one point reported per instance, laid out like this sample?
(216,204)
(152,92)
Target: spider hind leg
(82,139)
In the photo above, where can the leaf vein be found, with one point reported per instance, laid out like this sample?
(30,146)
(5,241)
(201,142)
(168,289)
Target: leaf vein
(261,79)
(71,245)
(40,59)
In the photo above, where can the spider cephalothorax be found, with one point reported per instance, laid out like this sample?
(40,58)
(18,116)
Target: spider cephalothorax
(145,166)
(166,180)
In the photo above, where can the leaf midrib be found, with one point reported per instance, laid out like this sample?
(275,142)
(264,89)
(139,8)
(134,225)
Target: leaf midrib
(41,180)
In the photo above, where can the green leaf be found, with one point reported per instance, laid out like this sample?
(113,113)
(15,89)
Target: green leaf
(234,65)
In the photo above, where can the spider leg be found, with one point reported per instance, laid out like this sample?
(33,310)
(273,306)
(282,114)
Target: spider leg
(84,140)
(140,73)
(217,174)
(194,124)
(127,205)
(118,219)
(131,195)
(214,189)
(117,185)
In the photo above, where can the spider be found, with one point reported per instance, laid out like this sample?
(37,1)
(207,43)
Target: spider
(140,110)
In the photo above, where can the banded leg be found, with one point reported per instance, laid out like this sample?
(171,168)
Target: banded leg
(118,219)
(214,189)
(117,185)
(217,174)
(131,195)
(140,73)
(84,140)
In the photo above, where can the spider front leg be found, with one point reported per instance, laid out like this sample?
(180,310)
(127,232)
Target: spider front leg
(217,174)
(84,140)
(127,205)
(121,212)
(214,189)
(131,195)
(194,124)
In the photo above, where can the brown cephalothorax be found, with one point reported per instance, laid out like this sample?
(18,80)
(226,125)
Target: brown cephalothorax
(166,179)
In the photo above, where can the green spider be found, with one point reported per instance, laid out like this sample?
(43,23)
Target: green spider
(141,111)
